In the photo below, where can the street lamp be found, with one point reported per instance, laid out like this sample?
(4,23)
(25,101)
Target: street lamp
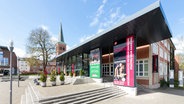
(11,50)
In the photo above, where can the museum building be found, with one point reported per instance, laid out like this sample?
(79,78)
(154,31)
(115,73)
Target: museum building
(137,50)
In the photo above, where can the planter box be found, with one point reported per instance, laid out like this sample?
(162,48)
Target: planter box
(62,82)
(43,84)
(54,83)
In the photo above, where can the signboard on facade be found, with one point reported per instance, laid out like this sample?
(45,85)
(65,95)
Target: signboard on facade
(73,68)
(180,78)
(95,63)
(124,63)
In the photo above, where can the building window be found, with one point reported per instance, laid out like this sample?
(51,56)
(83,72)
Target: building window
(165,55)
(155,48)
(1,55)
(168,57)
(6,61)
(168,46)
(142,67)
(161,52)
(161,68)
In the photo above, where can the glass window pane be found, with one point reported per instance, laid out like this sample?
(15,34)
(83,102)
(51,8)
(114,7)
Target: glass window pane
(145,74)
(145,61)
(136,74)
(140,67)
(140,74)
(145,67)
(140,61)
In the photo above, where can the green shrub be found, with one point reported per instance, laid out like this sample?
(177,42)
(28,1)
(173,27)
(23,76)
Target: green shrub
(176,83)
(71,74)
(53,76)
(81,72)
(164,83)
(43,77)
(62,77)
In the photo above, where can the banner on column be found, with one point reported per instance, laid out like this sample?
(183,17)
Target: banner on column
(95,63)
(124,63)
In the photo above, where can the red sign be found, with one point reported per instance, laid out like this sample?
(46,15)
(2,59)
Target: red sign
(73,68)
(130,61)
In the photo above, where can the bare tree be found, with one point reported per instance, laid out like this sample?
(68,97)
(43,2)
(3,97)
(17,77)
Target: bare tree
(39,45)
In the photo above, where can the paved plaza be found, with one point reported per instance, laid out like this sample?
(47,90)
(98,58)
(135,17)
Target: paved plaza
(159,96)
(17,91)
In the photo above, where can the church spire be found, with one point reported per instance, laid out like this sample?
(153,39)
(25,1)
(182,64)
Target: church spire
(61,39)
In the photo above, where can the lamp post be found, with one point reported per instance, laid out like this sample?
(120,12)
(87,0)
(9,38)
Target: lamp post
(11,50)
(18,71)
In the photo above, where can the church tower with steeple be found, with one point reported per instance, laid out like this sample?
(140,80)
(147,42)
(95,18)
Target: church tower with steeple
(60,45)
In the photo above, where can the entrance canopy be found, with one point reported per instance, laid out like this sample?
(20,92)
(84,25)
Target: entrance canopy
(148,25)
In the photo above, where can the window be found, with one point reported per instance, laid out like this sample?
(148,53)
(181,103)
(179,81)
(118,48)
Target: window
(6,61)
(155,48)
(168,57)
(161,68)
(161,52)
(168,46)
(142,67)
(165,43)
(165,55)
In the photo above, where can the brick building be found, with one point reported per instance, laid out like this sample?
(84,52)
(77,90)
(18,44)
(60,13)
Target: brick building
(5,60)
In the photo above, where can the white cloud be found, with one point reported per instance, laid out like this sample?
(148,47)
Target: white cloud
(67,47)
(98,13)
(94,22)
(20,52)
(100,30)
(43,27)
(84,38)
(115,16)
(179,44)
(104,19)
(54,39)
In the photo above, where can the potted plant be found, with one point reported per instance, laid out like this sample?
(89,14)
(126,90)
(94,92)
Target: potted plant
(53,77)
(81,73)
(62,78)
(71,74)
(43,79)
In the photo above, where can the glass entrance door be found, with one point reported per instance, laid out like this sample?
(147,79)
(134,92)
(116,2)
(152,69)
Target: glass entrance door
(108,69)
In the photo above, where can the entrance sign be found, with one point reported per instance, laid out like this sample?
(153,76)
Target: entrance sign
(95,63)
(124,63)
(180,78)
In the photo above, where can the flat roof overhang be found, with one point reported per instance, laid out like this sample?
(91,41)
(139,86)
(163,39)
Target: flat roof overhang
(149,25)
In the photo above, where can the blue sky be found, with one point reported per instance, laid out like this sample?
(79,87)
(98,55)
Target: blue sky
(80,18)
